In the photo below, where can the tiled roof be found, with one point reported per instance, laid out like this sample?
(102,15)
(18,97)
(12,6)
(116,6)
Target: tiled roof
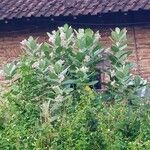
(26,8)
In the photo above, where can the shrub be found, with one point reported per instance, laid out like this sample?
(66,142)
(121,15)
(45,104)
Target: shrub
(122,84)
(92,125)
(51,102)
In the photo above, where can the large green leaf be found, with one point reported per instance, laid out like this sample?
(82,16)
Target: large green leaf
(10,70)
(57,39)
(70,82)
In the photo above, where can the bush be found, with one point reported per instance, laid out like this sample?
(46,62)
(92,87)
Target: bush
(122,84)
(92,125)
(51,101)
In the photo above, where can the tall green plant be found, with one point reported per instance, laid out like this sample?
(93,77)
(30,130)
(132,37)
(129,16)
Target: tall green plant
(123,85)
(48,72)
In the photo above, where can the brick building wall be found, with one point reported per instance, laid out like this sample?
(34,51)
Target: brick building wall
(138,42)
(10,46)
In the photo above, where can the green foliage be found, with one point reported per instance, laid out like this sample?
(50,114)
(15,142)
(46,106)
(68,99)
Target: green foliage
(122,85)
(51,104)
(49,72)
(92,125)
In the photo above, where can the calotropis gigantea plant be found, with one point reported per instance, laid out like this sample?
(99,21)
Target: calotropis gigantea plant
(123,85)
(80,49)
(49,72)
(41,82)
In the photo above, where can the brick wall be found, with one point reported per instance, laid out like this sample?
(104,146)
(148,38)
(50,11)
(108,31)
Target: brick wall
(138,42)
(10,46)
